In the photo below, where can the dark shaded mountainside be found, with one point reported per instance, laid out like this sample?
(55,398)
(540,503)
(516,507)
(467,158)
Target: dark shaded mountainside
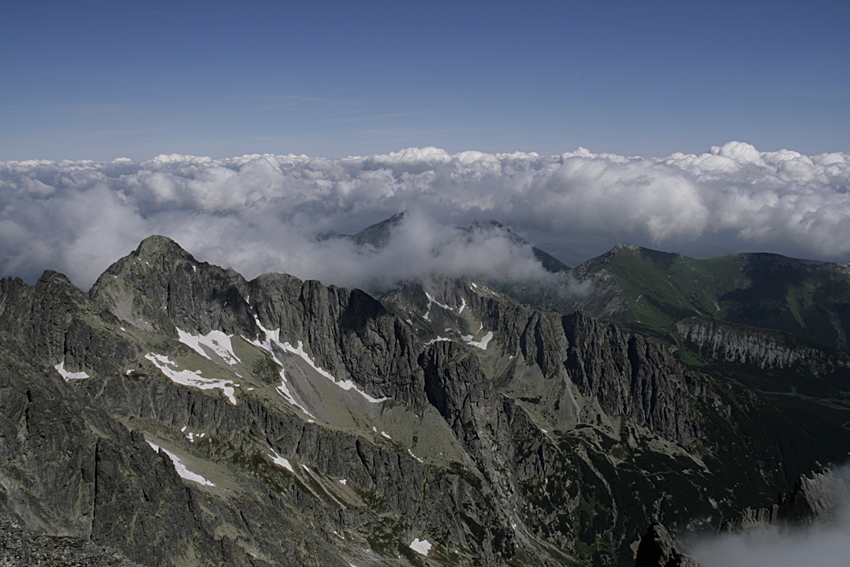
(178,414)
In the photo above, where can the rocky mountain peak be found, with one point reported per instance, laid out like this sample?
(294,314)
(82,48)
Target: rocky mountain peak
(160,284)
(52,277)
(157,246)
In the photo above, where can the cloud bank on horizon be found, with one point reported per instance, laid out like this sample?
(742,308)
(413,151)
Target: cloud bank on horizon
(261,213)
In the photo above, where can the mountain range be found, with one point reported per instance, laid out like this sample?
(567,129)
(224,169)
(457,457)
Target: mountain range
(179,414)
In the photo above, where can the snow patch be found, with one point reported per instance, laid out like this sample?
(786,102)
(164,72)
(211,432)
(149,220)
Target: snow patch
(482,344)
(415,457)
(216,341)
(281,462)
(181,469)
(283,390)
(192,378)
(422,547)
(66,375)
(386,435)
(192,436)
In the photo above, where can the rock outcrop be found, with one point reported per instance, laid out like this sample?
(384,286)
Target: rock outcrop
(760,348)
(658,549)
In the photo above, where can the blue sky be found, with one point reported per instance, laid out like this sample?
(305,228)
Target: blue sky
(100,80)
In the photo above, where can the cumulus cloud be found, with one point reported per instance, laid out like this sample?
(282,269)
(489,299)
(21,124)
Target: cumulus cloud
(261,213)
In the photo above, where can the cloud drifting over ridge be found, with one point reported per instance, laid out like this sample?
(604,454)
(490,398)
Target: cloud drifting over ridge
(824,542)
(262,213)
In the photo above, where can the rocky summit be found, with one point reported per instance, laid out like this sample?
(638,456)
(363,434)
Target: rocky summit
(178,414)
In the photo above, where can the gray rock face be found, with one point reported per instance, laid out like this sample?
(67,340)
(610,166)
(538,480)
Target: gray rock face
(551,442)
(347,332)
(350,334)
(160,285)
(631,376)
(58,324)
(754,347)
(69,469)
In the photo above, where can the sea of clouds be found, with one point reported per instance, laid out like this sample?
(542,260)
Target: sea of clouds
(261,213)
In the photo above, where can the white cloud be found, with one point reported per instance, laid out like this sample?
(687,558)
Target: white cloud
(265,212)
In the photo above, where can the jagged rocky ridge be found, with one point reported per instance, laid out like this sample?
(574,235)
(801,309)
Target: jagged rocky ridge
(443,423)
(817,501)
(757,347)
(816,497)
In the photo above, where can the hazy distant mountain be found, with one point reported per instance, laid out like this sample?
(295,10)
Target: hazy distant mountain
(180,414)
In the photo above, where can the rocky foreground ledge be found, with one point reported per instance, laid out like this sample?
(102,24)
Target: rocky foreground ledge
(20,546)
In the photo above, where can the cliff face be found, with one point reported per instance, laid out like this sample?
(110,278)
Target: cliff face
(633,377)
(69,469)
(753,347)
(184,415)
(816,497)
(58,323)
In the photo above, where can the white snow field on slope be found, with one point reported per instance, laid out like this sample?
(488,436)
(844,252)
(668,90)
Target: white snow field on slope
(216,341)
(191,378)
(180,467)
(67,375)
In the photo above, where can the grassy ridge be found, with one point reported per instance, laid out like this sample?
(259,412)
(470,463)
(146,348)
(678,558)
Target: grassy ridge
(810,300)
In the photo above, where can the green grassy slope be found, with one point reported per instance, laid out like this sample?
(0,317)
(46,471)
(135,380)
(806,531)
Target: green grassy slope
(810,300)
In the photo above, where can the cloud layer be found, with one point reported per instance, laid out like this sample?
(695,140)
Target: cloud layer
(260,213)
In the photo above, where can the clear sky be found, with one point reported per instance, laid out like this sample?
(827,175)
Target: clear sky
(104,79)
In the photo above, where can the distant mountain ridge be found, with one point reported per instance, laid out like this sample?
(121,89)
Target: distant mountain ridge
(379,234)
